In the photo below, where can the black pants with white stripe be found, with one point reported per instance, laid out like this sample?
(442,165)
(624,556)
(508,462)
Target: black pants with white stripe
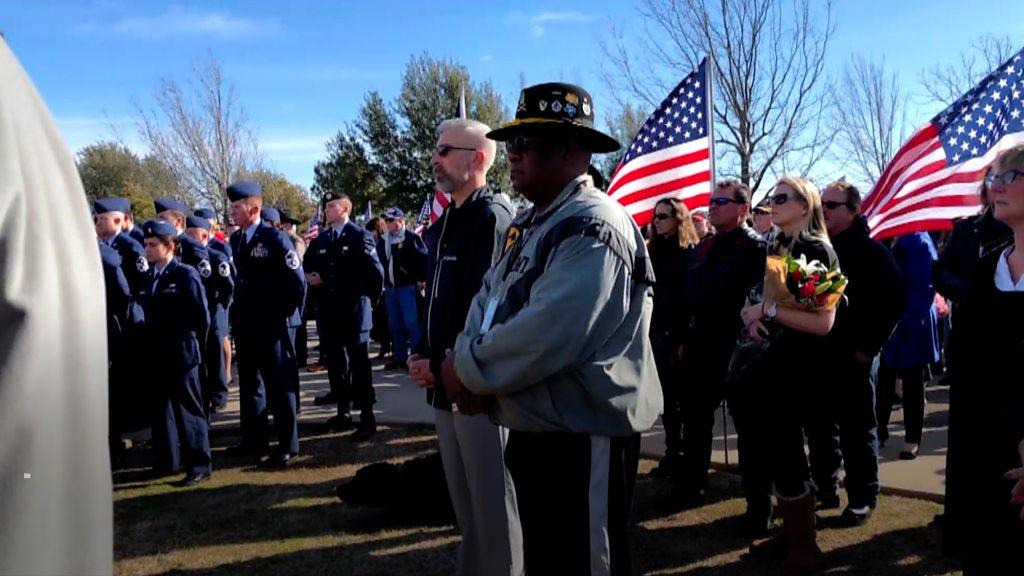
(575,492)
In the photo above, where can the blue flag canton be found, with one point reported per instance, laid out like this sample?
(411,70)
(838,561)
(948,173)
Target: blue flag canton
(682,117)
(980,118)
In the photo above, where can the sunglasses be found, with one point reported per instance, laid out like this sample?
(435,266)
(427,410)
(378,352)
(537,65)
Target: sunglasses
(832,204)
(521,145)
(659,216)
(724,201)
(1006,178)
(443,149)
(780,199)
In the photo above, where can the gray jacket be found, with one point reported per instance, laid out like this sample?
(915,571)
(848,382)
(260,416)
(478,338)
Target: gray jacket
(559,330)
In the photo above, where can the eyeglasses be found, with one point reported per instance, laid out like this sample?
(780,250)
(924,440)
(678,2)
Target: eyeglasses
(521,145)
(832,204)
(1006,178)
(724,200)
(443,149)
(659,216)
(780,199)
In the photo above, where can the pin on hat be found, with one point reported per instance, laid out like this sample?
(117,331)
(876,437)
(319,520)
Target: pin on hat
(158,227)
(556,106)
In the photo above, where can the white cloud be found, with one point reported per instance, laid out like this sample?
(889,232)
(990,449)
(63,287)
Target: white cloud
(539,22)
(177,22)
(295,147)
(486,57)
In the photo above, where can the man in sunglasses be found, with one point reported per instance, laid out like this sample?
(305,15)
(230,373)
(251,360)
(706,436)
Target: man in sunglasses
(556,345)
(724,269)
(461,249)
(846,432)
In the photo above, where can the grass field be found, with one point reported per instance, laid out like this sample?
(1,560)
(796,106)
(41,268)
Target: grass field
(248,521)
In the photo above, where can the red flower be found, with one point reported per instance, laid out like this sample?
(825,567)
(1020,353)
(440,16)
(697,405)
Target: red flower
(807,290)
(798,275)
(816,277)
(820,300)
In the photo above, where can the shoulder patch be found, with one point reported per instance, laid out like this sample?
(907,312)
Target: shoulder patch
(291,260)
(224,269)
(141,264)
(204,268)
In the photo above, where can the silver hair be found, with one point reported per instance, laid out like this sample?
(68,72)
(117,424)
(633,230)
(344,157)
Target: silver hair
(476,128)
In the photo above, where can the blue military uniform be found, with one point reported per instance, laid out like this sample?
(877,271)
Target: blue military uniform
(176,328)
(136,234)
(219,286)
(346,259)
(214,243)
(269,292)
(118,296)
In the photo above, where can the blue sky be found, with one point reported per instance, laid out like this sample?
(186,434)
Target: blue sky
(300,69)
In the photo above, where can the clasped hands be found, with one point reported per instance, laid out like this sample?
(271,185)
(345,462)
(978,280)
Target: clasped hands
(753,319)
(467,402)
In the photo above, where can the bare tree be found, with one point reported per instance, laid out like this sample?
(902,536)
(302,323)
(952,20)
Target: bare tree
(768,60)
(870,117)
(944,84)
(201,133)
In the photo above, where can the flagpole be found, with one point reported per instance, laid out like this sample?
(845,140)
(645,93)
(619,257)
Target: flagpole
(709,60)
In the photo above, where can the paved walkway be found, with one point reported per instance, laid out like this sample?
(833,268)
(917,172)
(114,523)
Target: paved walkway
(401,401)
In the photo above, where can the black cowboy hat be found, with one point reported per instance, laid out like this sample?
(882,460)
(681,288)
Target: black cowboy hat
(286,216)
(559,106)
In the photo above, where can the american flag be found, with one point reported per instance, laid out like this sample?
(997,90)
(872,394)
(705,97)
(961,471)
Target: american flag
(441,200)
(424,219)
(314,227)
(672,156)
(935,176)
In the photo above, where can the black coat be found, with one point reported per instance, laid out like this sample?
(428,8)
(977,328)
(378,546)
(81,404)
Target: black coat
(461,244)
(177,319)
(410,260)
(669,261)
(720,275)
(136,272)
(969,241)
(352,277)
(874,296)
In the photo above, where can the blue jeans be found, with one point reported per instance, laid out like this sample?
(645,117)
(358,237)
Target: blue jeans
(403,318)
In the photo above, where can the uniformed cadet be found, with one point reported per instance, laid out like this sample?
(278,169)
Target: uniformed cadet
(269,292)
(176,329)
(219,290)
(131,229)
(119,296)
(215,242)
(558,336)
(342,261)
(271,217)
(127,393)
(192,252)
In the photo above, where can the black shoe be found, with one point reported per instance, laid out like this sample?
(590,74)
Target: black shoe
(678,500)
(393,365)
(851,518)
(216,407)
(665,468)
(827,501)
(366,429)
(909,454)
(328,398)
(192,479)
(340,423)
(756,523)
(279,460)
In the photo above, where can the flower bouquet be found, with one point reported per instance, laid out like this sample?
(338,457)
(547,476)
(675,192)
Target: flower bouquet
(789,283)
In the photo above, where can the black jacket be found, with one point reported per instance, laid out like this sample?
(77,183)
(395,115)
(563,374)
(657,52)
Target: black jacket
(971,239)
(669,261)
(352,279)
(874,296)
(460,247)
(410,260)
(722,271)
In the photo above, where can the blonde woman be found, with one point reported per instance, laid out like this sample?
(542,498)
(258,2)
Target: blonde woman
(789,372)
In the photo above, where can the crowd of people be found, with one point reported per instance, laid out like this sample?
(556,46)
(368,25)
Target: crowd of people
(548,340)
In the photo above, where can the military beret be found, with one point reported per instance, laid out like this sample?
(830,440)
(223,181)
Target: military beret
(244,189)
(207,213)
(394,213)
(329,196)
(286,216)
(152,228)
(104,205)
(270,214)
(165,204)
(193,221)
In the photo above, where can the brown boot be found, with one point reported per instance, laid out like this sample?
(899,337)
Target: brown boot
(798,524)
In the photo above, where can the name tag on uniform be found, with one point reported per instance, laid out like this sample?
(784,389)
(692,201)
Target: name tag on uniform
(492,307)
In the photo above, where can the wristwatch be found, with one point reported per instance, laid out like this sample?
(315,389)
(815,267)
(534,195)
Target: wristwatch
(769,311)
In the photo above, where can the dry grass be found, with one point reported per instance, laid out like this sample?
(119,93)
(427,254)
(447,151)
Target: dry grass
(247,521)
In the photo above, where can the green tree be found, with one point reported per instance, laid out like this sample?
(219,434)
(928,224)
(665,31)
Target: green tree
(279,192)
(384,155)
(623,126)
(110,169)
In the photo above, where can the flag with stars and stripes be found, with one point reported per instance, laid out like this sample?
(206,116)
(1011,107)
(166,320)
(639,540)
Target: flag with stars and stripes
(935,177)
(314,227)
(672,156)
